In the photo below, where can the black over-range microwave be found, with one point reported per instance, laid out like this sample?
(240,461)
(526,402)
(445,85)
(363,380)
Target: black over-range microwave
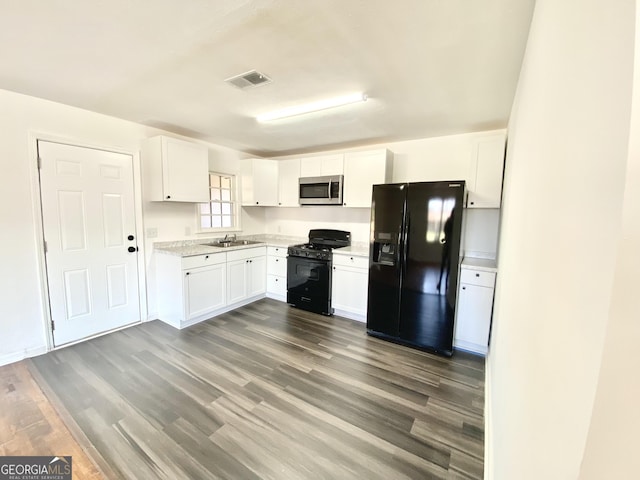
(325,190)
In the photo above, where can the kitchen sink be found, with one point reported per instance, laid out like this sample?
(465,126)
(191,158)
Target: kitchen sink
(231,243)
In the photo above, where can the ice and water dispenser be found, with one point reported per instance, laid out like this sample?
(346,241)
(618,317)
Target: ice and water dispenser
(385,249)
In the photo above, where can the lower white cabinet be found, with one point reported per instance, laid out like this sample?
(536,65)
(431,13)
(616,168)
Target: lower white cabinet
(277,273)
(474,310)
(190,288)
(246,274)
(195,288)
(205,289)
(350,283)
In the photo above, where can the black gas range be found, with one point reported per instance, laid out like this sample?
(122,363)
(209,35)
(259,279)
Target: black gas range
(309,267)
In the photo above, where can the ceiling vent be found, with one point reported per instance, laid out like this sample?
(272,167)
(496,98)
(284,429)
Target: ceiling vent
(248,80)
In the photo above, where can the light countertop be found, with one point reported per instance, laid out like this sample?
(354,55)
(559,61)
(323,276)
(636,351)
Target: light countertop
(189,248)
(358,249)
(482,264)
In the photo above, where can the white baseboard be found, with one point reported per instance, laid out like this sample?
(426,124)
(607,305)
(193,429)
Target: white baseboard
(488,436)
(353,316)
(470,347)
(275,296)
(13,357)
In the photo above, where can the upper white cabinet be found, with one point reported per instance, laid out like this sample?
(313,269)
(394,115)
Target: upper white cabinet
(322,165)
(363,170)
(259,179)
(288,174)
(178,171)
(486,169)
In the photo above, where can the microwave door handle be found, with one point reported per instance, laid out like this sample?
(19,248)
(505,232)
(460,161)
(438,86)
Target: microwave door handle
(329,191)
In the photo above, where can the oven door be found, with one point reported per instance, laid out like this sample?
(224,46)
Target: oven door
(309,284)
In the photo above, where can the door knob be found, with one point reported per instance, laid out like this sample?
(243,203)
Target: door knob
(131,249)
(130,237)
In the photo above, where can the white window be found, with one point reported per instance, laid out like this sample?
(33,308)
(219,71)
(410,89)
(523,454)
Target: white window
(221,211)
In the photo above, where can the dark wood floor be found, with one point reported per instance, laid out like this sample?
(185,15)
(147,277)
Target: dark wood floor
(268,391)
(29,425)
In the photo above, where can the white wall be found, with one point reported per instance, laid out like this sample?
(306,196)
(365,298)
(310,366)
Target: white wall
(429,159)
(22,327)
(612,444)
(559,243)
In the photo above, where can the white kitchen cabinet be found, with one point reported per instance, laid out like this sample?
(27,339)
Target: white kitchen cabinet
(177,171)
(350,283)
(277,273)
(205,289)
(474,310)
(288,175)
(259,179)
(190,289)
(486,170)
(321,165)
(246,274)
(363,170)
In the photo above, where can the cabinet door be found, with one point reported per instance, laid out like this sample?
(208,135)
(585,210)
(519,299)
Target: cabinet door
(332,164)
(205,290)
(363,170)
(257,276)
(265,182)
(185,171)
(349,289)
(288,175)
(237,280)
(486,190)
(473,317)
(259,182)
(277,285)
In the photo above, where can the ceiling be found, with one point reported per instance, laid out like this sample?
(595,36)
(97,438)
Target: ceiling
(429,67)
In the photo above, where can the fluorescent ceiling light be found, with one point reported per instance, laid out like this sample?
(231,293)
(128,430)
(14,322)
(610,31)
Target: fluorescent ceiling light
(312,107)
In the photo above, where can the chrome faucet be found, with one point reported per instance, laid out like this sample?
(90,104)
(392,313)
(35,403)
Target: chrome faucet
(230,237)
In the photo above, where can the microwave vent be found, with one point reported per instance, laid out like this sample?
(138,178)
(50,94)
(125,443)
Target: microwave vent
(249,80)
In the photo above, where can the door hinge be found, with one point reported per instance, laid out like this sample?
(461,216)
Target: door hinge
(46,249)
(39,162)
(53,325)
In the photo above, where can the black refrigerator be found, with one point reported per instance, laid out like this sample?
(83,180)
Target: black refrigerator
(413,263)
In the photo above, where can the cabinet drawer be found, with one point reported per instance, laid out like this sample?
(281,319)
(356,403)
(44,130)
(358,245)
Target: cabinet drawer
(203,260)
(246,253)
(277,251)
(277,266)
(277,285)
(477,277)
(351,261)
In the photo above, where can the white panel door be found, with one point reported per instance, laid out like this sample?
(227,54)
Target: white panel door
(88,216)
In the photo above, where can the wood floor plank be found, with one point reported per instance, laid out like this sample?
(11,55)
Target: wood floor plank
(268,391)
(30,426)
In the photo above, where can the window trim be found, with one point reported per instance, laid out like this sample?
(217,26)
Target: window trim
(236,212)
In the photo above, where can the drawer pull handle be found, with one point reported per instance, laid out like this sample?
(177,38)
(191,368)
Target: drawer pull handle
(477,274)
(206,257)
(464,288)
